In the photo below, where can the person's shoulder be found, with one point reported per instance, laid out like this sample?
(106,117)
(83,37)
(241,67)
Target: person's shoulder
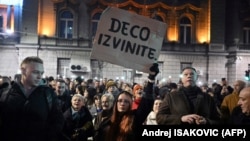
(152,114)
(45,87)
(237,110)
(48,90)
(229,96)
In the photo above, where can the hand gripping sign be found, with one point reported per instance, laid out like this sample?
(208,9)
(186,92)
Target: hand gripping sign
(128,39)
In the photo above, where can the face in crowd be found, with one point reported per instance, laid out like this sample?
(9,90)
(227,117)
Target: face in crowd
(107,101)
(112,89)
(189,77)
(32,73)
(124,102)
(244,100)
(77,101)
(238,86)
(157,104)
(60,87)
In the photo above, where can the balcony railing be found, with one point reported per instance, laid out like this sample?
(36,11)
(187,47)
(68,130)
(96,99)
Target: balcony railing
(61,42)
(173,46)
(80,43)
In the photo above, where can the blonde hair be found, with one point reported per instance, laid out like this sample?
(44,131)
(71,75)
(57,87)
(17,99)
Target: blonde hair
(79,96)
(32,59)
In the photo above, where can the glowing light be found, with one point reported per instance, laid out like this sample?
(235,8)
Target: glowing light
(200,83)
(163,80)
(9,31)
(12,2)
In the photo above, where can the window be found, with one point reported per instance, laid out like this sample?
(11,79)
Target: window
(95,20)
(128,75)
(185,30)
(66,25)
(246,35)
(97,67)
(158,18)
(63,67)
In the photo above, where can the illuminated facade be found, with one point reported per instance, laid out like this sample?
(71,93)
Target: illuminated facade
(212,36)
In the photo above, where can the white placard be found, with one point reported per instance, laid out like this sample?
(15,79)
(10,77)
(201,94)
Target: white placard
(128,39)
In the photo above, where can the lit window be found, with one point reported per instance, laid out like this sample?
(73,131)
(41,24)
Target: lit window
(185,31)
(66,25)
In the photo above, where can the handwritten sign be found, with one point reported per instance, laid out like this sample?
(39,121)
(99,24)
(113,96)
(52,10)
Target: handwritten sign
(128,39)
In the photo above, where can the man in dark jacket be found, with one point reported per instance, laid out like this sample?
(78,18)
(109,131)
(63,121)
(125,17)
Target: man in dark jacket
(241,113)
(188,105)
(29,111)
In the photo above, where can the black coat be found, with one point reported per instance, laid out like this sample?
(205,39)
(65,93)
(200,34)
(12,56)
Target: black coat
(238,118)
(37,117)
(101,124)
(74,125)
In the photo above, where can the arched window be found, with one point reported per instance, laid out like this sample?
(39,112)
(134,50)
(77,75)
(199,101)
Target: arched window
(95,20)
(66,25)
(159,18)
(185,30)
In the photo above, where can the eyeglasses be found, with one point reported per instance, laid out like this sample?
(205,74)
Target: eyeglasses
(123,100)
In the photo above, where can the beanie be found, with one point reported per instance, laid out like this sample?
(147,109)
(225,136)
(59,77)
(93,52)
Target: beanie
(136,87)
(110,83)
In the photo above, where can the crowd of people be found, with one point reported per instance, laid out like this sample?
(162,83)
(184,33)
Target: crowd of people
(61,109)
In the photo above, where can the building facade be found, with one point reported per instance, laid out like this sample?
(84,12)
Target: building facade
(212,36)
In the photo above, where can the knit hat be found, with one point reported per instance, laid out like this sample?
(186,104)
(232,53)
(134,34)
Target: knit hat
(136,87)
(110,83)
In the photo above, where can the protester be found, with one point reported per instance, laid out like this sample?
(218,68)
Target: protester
(137,95)
(62,94)
(241,113)
(230,101)
(111,88)
(188,104)
(225,89)
(78,120)
(97,104)
(125,121)
(102,120)
(30,112)
(88,95)
(151,118)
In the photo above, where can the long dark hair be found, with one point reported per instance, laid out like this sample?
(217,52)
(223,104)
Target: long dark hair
(121,123)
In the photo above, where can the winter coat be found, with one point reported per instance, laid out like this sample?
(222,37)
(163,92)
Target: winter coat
(37,117)
(176,104)
(79,127)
